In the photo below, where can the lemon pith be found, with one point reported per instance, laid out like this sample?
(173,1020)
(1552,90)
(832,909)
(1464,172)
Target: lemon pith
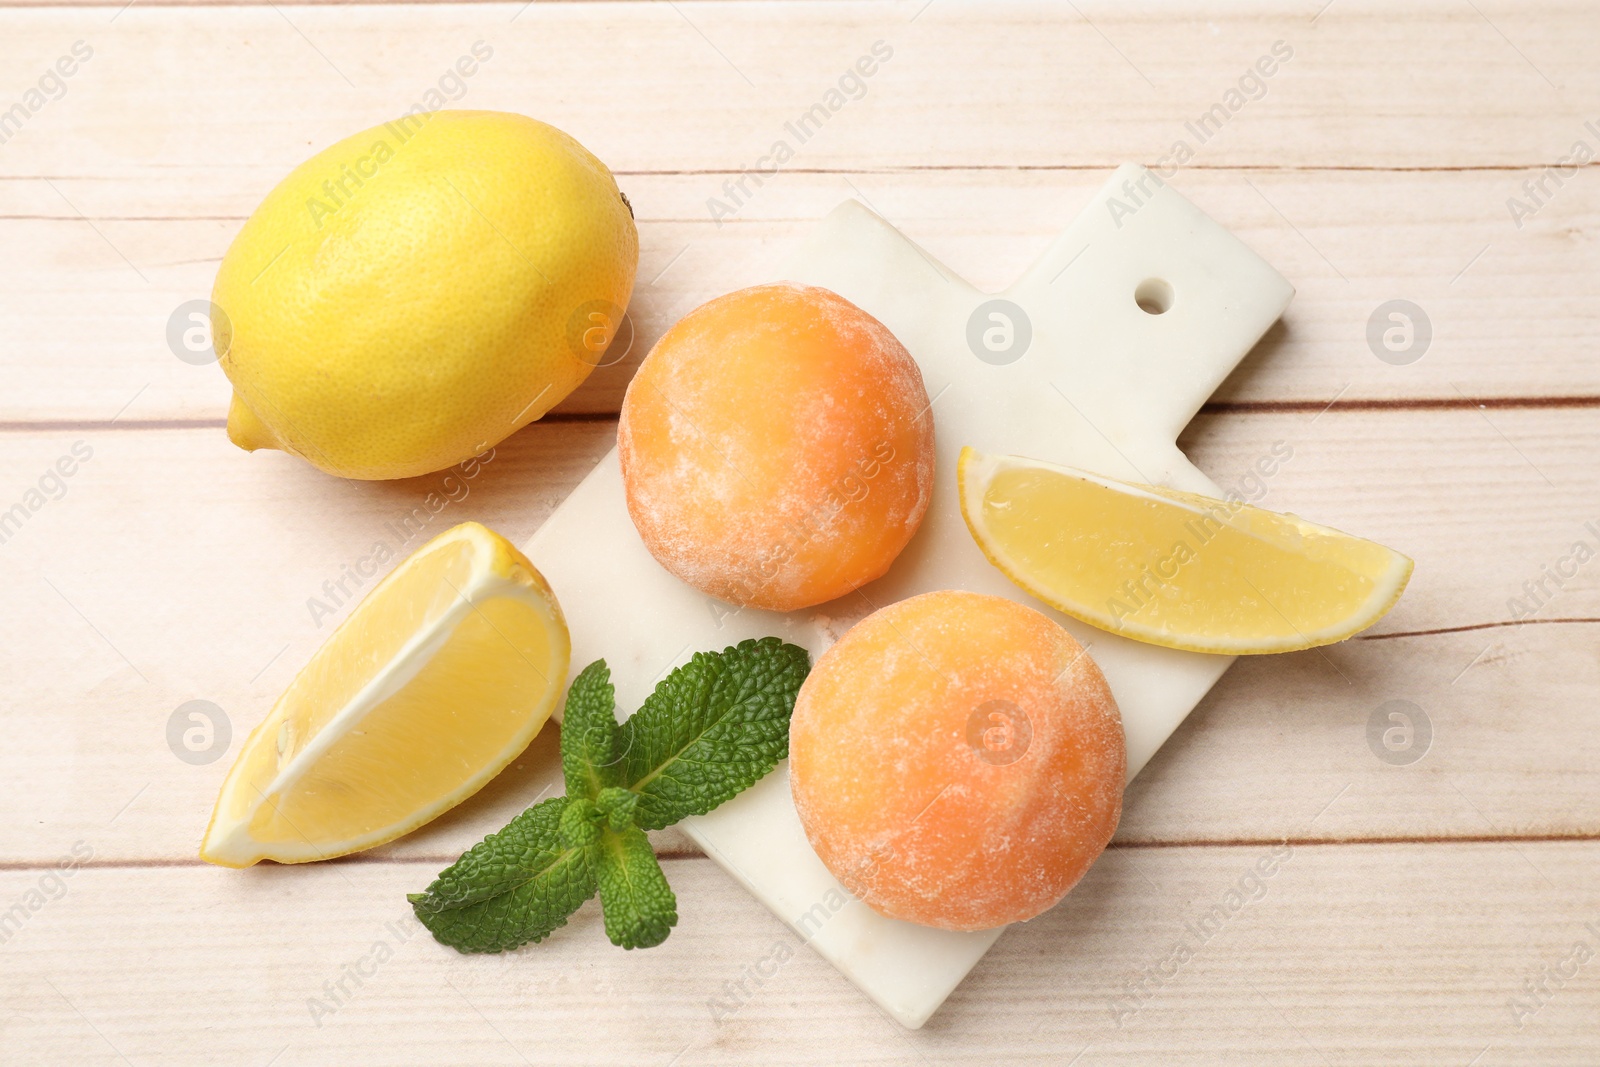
(1173,568)
(438,679)
(413,294)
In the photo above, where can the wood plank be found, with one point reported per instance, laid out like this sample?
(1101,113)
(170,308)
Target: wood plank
(1392,954)
(711,85)
(1513,314)
(199,563)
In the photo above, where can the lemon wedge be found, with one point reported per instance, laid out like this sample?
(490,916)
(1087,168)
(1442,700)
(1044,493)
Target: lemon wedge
(1173,568)
(436,681)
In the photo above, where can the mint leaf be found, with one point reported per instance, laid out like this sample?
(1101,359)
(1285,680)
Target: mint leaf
(515,886)
(640,907)
(589,753)
(712,728)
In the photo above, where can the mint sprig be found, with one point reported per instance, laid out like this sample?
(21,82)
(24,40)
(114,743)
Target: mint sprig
(712,728)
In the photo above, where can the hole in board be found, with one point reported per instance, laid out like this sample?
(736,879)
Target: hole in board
(1154,296)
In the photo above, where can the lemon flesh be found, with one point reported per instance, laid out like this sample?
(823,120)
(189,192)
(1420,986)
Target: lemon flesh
(1173,568)
(410,296)
(436,681)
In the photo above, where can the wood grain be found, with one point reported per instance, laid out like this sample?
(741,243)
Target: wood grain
(710,85)
(1512,312)
(178,568)
(1397,954)
(1377,164)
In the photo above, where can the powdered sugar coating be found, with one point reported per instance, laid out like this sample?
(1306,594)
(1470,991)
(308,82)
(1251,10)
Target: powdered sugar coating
(777,447)
(904,788)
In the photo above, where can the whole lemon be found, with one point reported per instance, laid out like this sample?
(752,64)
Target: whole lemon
(412,295)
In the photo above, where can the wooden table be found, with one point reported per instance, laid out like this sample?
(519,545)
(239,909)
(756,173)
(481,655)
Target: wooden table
(1427,909)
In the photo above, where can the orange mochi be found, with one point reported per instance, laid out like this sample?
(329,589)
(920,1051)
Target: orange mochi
(957,761)
(777,447)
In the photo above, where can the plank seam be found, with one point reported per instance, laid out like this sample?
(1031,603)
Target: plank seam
(1114,846)
(1572,621)
(1421,403)
(1219,168)
(715,172)
(52,425)
(1215,407)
